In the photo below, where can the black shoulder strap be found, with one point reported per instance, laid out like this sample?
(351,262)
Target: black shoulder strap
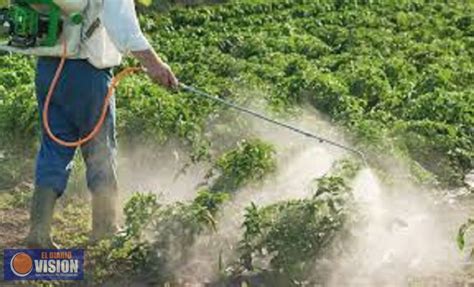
(92,28)
(97,22)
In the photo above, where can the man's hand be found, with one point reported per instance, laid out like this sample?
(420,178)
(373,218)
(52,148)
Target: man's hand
(162,74)
(158,71)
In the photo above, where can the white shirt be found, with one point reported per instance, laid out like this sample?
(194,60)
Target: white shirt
(120,21)
(118,33)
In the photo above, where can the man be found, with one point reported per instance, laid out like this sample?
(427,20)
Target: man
(111,30)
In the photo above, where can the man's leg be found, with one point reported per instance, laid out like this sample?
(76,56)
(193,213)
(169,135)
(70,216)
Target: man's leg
(100,158)
(52,173)
(53,162)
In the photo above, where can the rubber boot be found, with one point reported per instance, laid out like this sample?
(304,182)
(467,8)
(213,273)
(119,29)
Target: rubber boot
(104,214)
(41,217)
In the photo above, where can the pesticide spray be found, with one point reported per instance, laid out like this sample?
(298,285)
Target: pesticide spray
(407,233)
(406,239)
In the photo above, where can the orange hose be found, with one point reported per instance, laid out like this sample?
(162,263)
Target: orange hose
(105,107)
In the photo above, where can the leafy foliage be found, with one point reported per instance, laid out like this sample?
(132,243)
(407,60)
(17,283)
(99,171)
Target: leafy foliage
(249,162)
(137,211)
(18,115)
(155,238)
(293,234)
(461,237)
(390,72)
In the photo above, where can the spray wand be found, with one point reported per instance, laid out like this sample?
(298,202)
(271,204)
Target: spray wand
(295,129)
(190,89)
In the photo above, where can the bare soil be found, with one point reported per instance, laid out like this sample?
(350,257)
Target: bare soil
(13,227)
(13,230)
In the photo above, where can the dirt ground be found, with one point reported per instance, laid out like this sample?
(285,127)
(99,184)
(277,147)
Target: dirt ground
(13,230)
(13,227)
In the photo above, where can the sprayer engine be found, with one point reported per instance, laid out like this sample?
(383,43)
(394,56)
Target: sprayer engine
(36,23)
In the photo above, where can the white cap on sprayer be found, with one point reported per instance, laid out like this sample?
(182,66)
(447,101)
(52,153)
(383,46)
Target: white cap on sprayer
(71,6)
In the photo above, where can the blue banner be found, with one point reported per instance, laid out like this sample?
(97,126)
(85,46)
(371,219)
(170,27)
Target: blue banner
(43,264)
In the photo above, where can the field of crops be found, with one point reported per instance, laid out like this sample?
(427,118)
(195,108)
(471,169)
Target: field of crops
(396,78)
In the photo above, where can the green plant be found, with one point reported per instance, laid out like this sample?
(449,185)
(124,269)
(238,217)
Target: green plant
(292,235)
(406,75)
(156,237)
(250,161)
(138,211)
(461,236)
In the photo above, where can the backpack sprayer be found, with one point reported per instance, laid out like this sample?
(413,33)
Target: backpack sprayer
(28,27)
(35,27)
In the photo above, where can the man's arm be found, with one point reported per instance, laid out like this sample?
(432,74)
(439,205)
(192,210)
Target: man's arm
(156,69)
(120,20)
